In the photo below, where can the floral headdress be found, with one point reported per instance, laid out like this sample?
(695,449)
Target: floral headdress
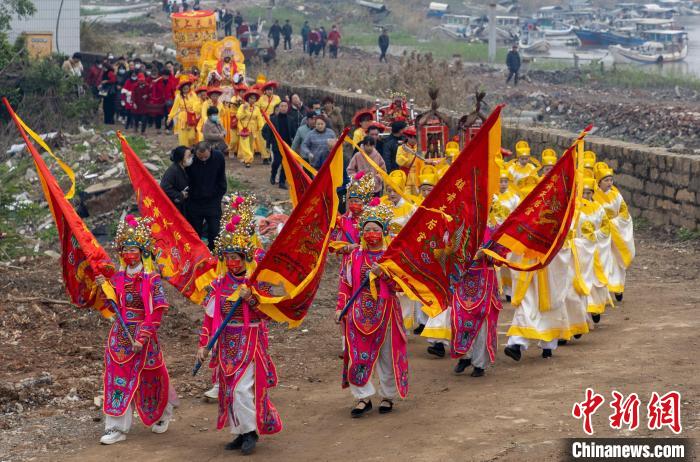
(135,232)
(361,187)
(378,213)
(237,234)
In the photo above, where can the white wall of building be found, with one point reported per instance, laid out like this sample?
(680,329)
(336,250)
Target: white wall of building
(47,18)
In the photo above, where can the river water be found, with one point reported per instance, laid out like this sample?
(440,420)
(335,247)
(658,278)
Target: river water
(691,65)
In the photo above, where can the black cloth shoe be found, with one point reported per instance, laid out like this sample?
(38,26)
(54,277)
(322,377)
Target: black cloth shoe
(250,439)
(618,297)
(247,165)
(272,181)
(266,161)
(283,186)
(419,330)
(477,372)
(508,298)
(362,407)
(462,364)
(386,408)
(513,352)
(437,349)
(546,353)
(562,342)
(235,444)
(596,318)
(578,336)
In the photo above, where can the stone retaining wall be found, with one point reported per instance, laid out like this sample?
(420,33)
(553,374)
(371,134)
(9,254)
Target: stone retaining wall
(659,186)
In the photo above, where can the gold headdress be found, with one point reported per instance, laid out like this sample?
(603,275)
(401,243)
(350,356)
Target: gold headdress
(428,176)
(135,232)
(589,159)
(361,187)
(601,170)
(522,148)
(589,183)
(398,177)
(378,213)
(549,157)
(237,234)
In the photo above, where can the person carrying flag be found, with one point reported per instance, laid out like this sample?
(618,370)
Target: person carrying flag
(243,366)
(374,335)
(135,372)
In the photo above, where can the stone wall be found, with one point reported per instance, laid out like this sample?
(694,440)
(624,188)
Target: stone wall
(659,186)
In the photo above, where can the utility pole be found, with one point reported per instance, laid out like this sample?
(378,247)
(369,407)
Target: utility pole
(492,33)
(269,12)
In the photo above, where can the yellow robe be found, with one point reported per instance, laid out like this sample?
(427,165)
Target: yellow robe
(233,138)
(266,104)
(250,119)
(358,135)
(622,236)
(406,158)
(519,173)
(186,135)
(592,243)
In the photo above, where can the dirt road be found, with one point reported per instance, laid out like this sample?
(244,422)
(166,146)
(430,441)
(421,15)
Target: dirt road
(518,411)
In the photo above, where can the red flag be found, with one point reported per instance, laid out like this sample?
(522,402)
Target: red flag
(296,258)
(82,257)
(299,181)
(425,257)
(538,226)
(185,261)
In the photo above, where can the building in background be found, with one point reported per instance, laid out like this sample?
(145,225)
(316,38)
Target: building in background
(55,27)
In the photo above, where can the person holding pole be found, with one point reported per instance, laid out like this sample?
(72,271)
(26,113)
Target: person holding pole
(244,369)
(372,320)
(135,372)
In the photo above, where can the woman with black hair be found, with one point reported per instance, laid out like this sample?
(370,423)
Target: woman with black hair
(175,181)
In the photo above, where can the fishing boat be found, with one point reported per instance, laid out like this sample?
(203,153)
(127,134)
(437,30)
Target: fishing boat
(534,41)
(456,26)
(606,37)
(662,46)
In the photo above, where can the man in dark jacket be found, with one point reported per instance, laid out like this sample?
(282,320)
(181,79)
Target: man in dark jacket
(284,126)
(391,145)
(275,34)
(287,34)
(383,43)
(513,63)
(227,18)
(207,176)
(305,31)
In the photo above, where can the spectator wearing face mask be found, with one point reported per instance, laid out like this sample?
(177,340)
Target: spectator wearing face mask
(213,131)
(141,96)
(307,125)
(108,92)
(318,143)
(175,182)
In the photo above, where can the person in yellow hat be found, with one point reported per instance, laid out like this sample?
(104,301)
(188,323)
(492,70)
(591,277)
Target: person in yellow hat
(522,166)
(408,161)
(621,227)
(428,178)
(184,114)
(503,203)
(589,160)
(267,104)
(549,159)
(451,153)
(250,121)
(592,244)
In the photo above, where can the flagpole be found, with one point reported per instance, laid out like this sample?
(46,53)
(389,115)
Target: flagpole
(217,334)
(121,321)
(353,297)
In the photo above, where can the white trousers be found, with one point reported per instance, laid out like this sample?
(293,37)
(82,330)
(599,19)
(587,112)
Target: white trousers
(478,352)
(524,343)
(123,422)
(384,367)
(241,413)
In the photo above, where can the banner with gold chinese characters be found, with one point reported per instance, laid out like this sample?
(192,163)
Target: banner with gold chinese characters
(439,241)
(184,260)
(190,31)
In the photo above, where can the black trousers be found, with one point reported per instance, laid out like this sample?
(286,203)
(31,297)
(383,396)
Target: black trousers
(288,43)
(382,56)
(277,166)
(108,107)
(156,120)
(227,30)
(275,42)
(198,217)
(333,50)
(510,75)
